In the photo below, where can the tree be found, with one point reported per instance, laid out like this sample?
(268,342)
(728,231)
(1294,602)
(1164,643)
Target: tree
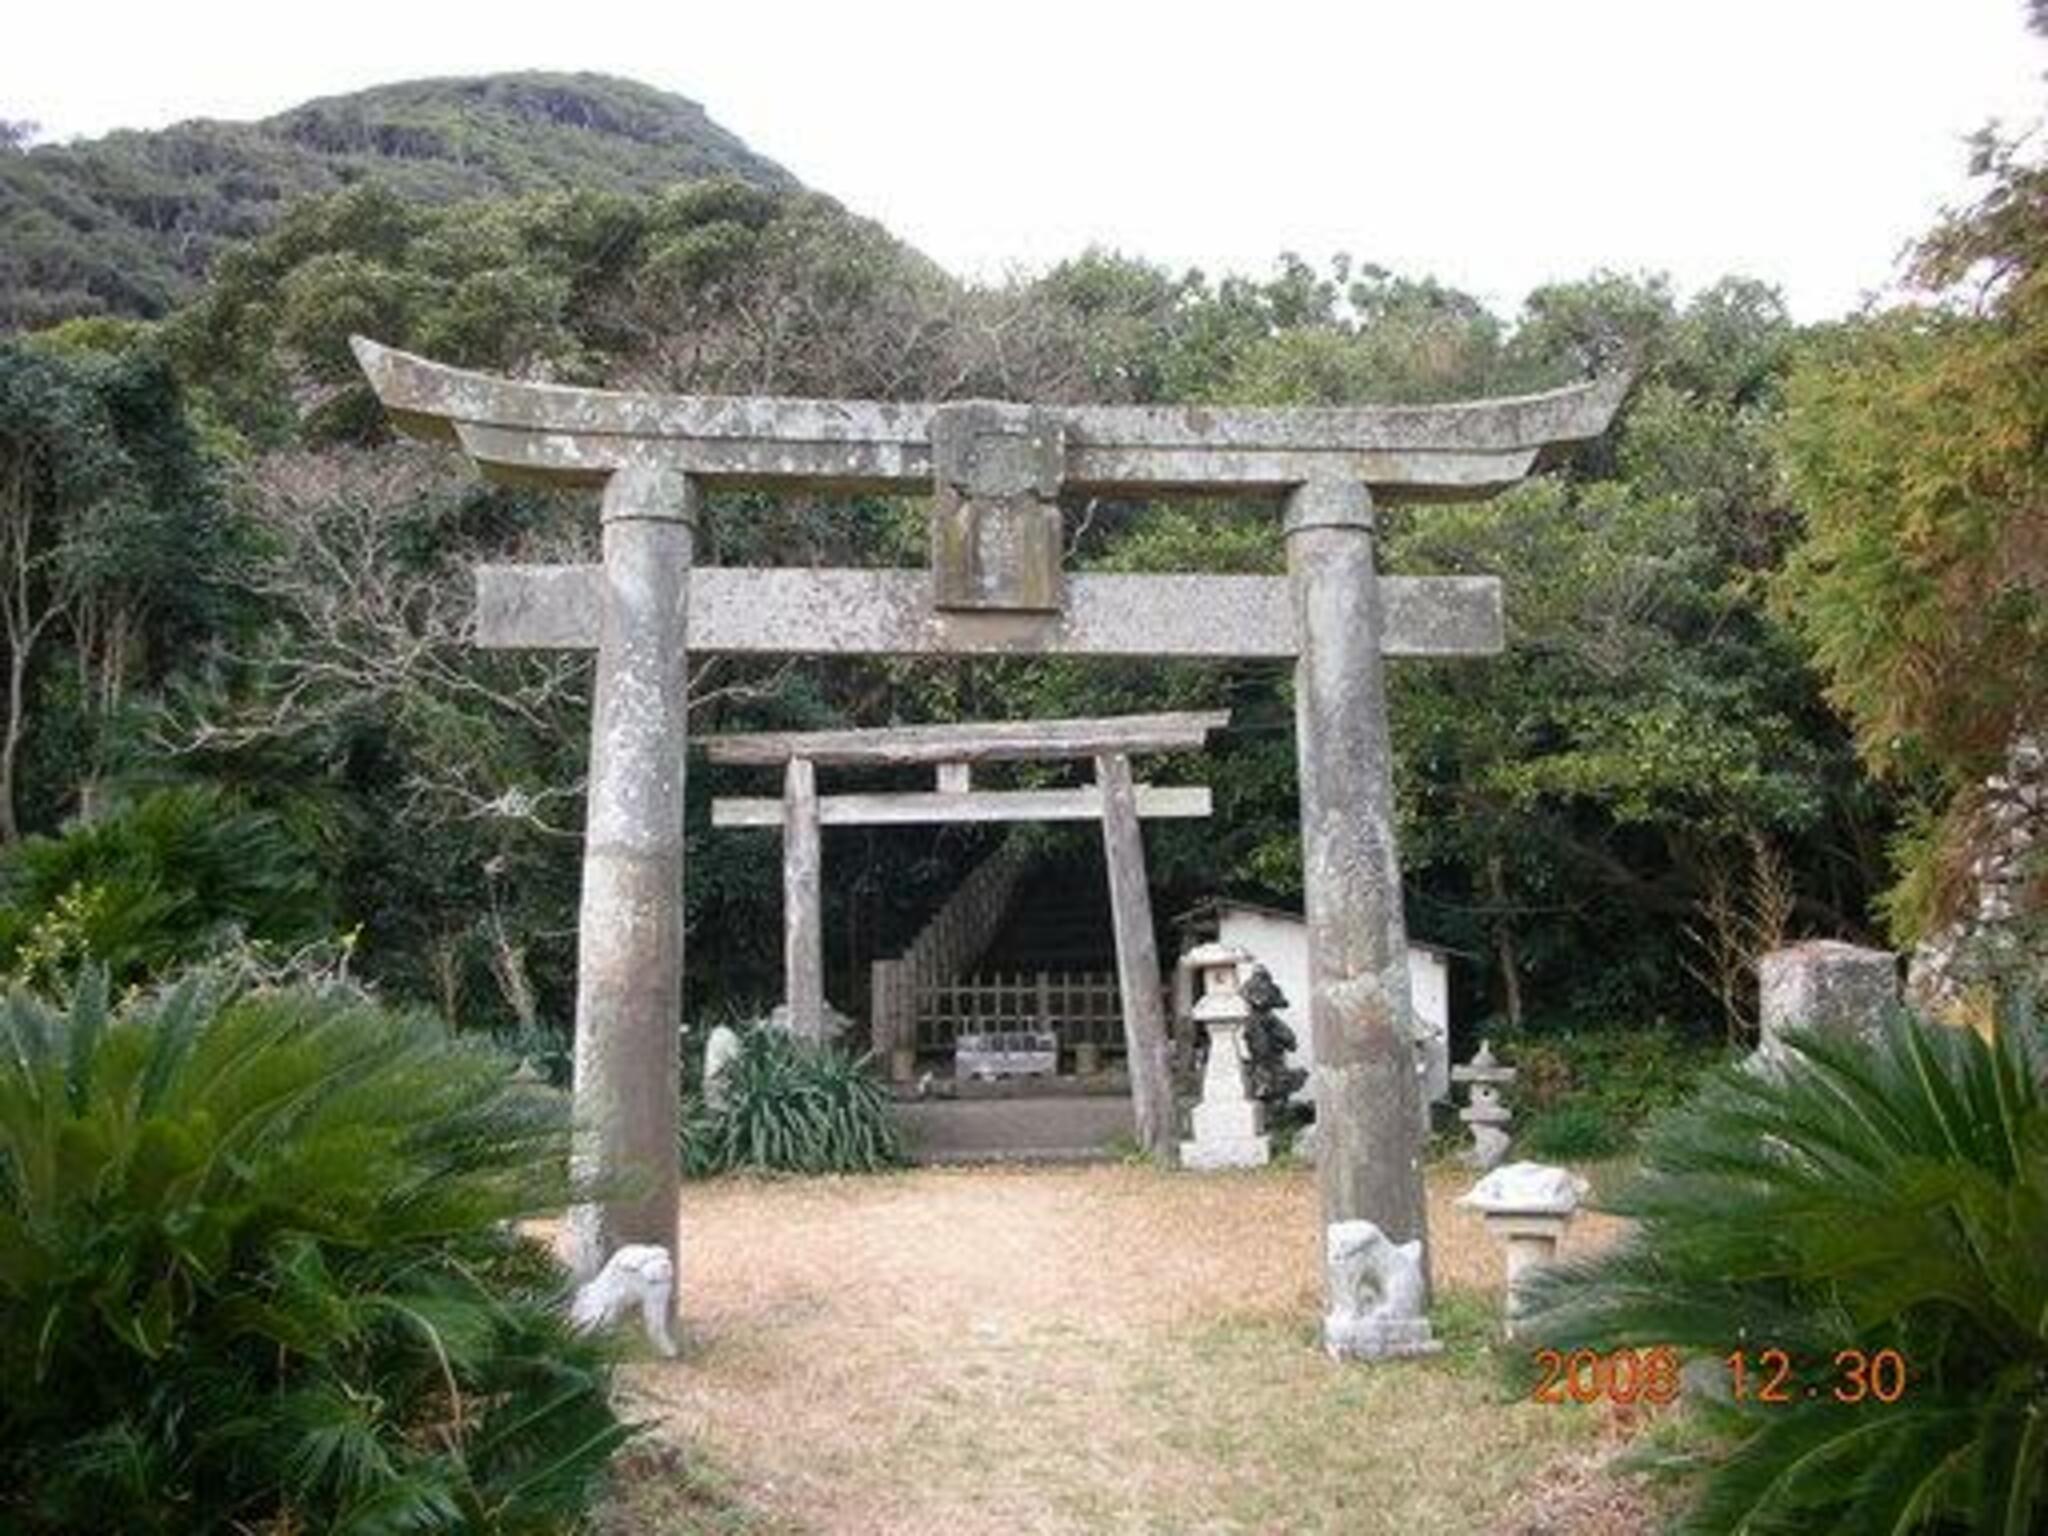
(108,520)
(1912,442)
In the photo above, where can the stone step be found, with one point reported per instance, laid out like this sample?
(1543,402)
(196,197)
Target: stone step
(1026,1128)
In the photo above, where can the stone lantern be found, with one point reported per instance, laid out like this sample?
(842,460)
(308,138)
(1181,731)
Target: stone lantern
(1484,1114)
(1526,1207)
(1229,1124)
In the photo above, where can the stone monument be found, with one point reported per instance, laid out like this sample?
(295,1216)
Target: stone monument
(639,1275)
(1826,986)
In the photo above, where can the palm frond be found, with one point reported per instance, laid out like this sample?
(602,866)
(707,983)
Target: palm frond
(1888,1193)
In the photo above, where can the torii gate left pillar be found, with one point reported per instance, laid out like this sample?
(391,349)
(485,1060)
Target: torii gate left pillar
(629,931)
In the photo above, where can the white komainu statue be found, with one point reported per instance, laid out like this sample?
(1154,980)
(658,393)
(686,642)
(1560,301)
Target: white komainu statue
(639,1273)
(1376,1294)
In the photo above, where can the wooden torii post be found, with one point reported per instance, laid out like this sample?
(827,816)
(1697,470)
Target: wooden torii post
(996,587)
(953,750)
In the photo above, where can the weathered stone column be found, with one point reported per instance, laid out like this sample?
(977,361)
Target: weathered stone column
(1368,1150)
(629,949)
(803,918)
(1137,958)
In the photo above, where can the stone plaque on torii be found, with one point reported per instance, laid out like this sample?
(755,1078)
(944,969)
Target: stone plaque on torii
(995,587)
(953,750)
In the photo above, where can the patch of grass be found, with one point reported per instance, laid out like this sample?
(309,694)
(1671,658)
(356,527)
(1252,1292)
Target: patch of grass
(1572,1133)
(1467,1324)
(1093,1350)
(662,1489)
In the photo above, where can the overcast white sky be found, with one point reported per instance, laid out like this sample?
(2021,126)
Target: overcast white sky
(1495,144)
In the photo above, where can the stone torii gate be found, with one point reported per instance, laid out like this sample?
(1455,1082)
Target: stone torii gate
(995,587)
(954,750)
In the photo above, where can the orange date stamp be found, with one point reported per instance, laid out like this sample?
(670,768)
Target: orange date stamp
(1614,1376)
(1771,1375)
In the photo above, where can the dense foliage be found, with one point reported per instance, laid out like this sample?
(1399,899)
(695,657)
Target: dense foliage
(1586,1093)
(129,224)
(1612,819)
(789,1105)
(112,535)
(1889,1194)
(178,877)
(258,1270)
(1913,441)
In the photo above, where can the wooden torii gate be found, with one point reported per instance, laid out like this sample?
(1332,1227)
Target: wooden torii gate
(995,587)
(953,750)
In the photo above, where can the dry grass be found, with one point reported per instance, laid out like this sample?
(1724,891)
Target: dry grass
(1102,1349)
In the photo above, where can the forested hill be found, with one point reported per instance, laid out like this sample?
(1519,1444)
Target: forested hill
(129,223)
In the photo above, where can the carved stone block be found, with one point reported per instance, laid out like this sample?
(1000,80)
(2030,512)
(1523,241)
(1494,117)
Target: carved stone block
(1376,1289)
(639,1274)
(996,533)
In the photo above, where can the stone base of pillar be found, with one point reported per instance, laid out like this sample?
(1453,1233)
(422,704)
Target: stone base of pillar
(902,1064)
(1243,1120)
(1228,1134)
(1206,1156)
(1369,1338)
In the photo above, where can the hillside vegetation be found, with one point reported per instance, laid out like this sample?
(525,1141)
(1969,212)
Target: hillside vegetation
(128,224)
(219,571)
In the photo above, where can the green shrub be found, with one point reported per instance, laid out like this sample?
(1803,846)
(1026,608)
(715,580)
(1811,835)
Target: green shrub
(791,1105)
(1571,1133)
(258,1271)
(1870,1196)
(1585,1093)
(170,880)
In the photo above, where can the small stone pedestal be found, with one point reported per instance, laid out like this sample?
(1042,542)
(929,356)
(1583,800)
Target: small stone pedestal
(1087,1059)
(1229,1124)
(1526,1207)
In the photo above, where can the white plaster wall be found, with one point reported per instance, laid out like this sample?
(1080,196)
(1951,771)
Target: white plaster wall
(1280,944)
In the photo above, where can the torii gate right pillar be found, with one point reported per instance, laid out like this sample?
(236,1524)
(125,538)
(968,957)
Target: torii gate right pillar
(1368,1150)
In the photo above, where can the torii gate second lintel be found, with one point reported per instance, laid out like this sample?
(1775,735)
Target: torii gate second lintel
(995,472)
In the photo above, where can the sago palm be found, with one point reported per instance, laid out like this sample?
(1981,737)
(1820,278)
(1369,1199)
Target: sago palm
(258,1270)
(1859,1197)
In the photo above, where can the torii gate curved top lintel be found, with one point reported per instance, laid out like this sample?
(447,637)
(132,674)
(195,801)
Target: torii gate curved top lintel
(996,585)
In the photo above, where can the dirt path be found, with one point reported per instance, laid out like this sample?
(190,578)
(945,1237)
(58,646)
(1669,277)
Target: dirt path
(1099,1349)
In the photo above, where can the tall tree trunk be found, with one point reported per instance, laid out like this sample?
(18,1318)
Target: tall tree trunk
(1504,951)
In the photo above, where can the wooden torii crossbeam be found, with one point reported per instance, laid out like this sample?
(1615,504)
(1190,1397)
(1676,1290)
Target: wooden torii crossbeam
(953,750)
(995,472)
